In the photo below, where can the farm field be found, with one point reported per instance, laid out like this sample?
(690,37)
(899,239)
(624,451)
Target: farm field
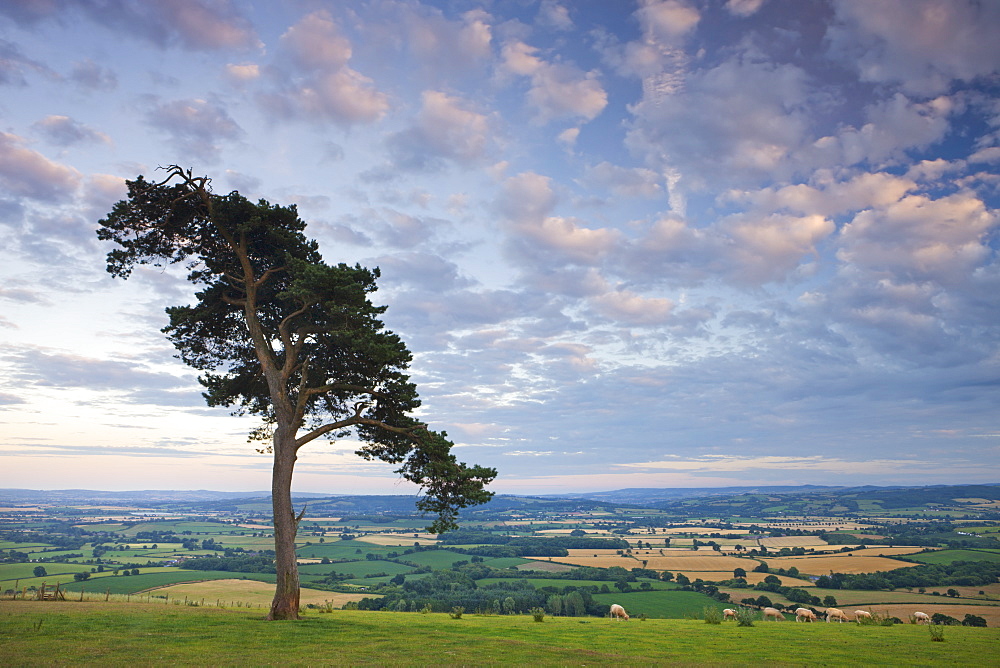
(949,556)
(399,540)
(860,596)
(752,578)
(839,563)
(250,592)
(701,560)
(109,633)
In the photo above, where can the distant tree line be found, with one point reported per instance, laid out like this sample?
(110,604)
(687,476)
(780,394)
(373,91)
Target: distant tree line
(958,573)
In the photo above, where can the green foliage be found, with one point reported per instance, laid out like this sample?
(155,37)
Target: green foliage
(937,633)
(712,615)
(456,612)
(745,616)
(538,613)
(974,620)
(280,334)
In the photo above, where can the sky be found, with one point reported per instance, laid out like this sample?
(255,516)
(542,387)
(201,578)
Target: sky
(653,243)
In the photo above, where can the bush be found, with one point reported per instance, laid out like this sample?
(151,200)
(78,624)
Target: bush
(712,615)
(745,616)
(538,614)
(456,612)
(937,633)
(973,620)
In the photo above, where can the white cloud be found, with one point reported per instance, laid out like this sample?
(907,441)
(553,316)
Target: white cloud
(27,173)
(558,90)
(744,7)
(328,88)
(921,45)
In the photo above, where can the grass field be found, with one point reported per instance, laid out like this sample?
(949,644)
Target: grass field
(949,556)
(110,634)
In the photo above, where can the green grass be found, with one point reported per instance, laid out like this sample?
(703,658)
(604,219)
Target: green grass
(116,634)
(131,584)
(949,556)
(662,604)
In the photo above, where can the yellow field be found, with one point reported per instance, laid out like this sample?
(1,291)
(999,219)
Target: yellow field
(794,541)
(250,592)
(751,578)
(391,539)
(839,563)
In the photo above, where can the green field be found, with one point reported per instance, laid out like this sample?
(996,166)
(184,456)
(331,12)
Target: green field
(949,556)
(662,604)
(149,580)
(103,634)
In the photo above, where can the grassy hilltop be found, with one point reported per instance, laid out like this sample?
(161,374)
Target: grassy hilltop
(113,634)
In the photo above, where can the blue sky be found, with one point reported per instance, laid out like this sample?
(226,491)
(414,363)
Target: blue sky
(662,243)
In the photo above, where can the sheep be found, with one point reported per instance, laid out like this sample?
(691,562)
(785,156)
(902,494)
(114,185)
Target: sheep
(729,613)
(834,613)
(772,613)
(618,612)
(921,617)
(805,615)
(862,614)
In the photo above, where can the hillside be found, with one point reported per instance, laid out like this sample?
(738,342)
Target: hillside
(101,634)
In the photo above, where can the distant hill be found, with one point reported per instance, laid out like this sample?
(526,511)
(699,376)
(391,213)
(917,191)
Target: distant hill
(133,497)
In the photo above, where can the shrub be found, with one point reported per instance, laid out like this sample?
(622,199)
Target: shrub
(538,614)
(712,615)
(937,633)
(973,620)
(456,612)
(745,616)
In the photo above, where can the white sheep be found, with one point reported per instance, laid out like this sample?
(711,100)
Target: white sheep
(834,613)
(805,615)
(618,612)
(729,613)
(772,613)
(862,614)
(921,617)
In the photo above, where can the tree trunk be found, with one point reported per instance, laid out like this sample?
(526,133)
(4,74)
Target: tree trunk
(286,594)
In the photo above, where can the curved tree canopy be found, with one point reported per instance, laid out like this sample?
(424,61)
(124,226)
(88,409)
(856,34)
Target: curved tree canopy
(279,333)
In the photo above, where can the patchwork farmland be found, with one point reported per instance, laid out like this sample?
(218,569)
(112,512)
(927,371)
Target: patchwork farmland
(516,554)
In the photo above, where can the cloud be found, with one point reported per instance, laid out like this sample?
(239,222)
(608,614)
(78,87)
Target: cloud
(634,310)
(729,114)
(133,382)
(196,127)
(921,239)
(323,86)
(667,19)
(440,45)
(743,7)
(14,65)
(553,14)
(64,131)
(94,77)
(558,90)
(624,181)
(198,24)
(27,173)
(242,73)
(445,128)
(920,45)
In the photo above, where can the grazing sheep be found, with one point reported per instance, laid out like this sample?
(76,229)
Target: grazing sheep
(834,613)
(862,614)
(921,617)
(618,612)
(772,613)
(805,615)
(729,613)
